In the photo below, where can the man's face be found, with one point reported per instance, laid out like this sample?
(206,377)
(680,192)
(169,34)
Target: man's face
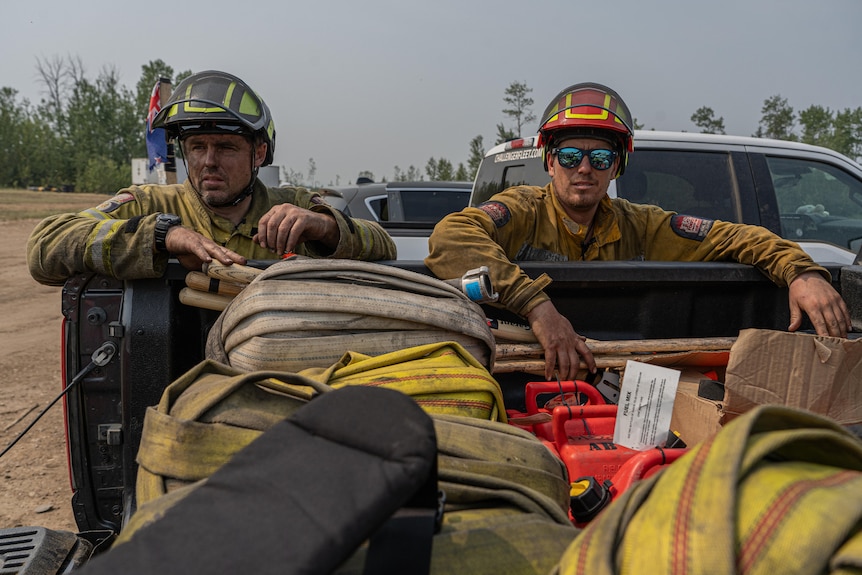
(580,188)
(220,165)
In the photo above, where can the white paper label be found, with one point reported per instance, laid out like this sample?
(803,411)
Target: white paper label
(646,405)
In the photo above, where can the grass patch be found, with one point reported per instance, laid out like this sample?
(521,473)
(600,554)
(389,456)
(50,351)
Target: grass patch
(17,204)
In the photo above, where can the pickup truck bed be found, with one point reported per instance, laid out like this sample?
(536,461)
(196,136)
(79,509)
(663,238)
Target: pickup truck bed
(158,339)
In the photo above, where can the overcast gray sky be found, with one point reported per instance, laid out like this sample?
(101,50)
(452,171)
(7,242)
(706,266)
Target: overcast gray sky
(373,84)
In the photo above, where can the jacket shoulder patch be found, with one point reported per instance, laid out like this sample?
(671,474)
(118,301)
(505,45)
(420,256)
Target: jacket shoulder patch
(691,227)
(109,206)
(497,211)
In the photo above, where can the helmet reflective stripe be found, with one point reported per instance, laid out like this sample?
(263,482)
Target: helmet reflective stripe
(595,111)
(569,112)
(270,130)
(248,104)
(215,102)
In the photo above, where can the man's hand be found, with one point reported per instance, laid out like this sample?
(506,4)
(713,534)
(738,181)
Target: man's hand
(812,294)
(193,250)
(562,345)
(285,226)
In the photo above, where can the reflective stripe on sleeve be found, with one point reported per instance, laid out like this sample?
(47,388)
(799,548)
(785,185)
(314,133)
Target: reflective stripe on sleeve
(366,242)
(97,251)
(95,214)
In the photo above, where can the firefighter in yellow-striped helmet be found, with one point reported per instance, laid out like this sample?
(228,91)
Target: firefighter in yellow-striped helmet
(587,110)
(214,102)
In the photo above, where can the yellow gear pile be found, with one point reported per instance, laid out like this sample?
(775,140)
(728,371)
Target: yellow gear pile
(506,494)
(214,410)
(777,490)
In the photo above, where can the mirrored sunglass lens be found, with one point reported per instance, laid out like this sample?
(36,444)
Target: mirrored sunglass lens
(569,157)
(601,159)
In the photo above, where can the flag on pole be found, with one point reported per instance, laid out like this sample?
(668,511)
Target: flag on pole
(157,146)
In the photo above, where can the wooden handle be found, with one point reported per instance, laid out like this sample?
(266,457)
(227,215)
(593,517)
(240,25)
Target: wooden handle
(202,282)
(204,299)
(508,331)
(233,273)
(513,350)
(537,366)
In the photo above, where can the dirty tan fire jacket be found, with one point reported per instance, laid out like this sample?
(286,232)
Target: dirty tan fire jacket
(116,238)
(526,223)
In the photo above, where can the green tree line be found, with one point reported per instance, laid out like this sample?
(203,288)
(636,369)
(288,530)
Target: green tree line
(82,134)
(838,130)
(84,131)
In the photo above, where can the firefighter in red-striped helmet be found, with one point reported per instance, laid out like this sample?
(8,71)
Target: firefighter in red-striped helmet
(586,136)
(588,110)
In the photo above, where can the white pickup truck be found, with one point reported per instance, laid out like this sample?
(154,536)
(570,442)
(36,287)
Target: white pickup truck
(808,194)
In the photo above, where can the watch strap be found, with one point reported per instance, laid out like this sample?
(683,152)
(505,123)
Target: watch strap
(164,222)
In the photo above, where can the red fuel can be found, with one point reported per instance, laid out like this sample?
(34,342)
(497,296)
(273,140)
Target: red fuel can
(540,398)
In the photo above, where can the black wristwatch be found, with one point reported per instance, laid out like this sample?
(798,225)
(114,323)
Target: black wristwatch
(164,222)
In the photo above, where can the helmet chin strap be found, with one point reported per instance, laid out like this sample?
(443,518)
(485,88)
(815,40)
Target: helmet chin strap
(244,194)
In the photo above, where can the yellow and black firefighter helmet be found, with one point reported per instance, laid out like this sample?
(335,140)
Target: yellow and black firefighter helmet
(214,102)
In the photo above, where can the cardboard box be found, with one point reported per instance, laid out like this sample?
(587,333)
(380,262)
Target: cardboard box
(820,374)
(694,418)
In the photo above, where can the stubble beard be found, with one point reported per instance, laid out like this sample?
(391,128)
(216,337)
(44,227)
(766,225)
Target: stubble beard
(215,197)
(580,206)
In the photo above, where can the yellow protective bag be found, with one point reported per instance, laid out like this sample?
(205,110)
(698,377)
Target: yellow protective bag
(214,410)
(442,377)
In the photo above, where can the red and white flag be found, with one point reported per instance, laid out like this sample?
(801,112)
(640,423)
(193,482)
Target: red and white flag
(157,146)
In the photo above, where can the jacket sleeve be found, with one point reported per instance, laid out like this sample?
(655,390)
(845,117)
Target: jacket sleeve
(358,239)
(468,239)
(687,238)
(782,260)
(117,243)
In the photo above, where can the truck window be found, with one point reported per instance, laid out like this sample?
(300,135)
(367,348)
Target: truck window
(431,206)
(378,205)
(507,169)
(817,201)
(688,182)
(692,183)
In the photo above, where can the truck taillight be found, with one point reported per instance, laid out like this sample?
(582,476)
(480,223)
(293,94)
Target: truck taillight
(521,143)
(515,144)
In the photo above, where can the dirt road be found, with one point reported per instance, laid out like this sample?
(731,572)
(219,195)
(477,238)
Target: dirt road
(34,481)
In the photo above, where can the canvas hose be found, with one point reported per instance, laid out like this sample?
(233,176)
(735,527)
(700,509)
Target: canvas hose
(302,313)
(777,490)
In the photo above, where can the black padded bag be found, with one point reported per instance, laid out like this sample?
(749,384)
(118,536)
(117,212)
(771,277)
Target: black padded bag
(303,496)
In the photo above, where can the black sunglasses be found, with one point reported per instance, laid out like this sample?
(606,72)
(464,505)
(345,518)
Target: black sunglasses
(572,157)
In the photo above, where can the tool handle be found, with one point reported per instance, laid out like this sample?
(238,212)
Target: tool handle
(204,299)
(534,388)
(202,282)
(235,272)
